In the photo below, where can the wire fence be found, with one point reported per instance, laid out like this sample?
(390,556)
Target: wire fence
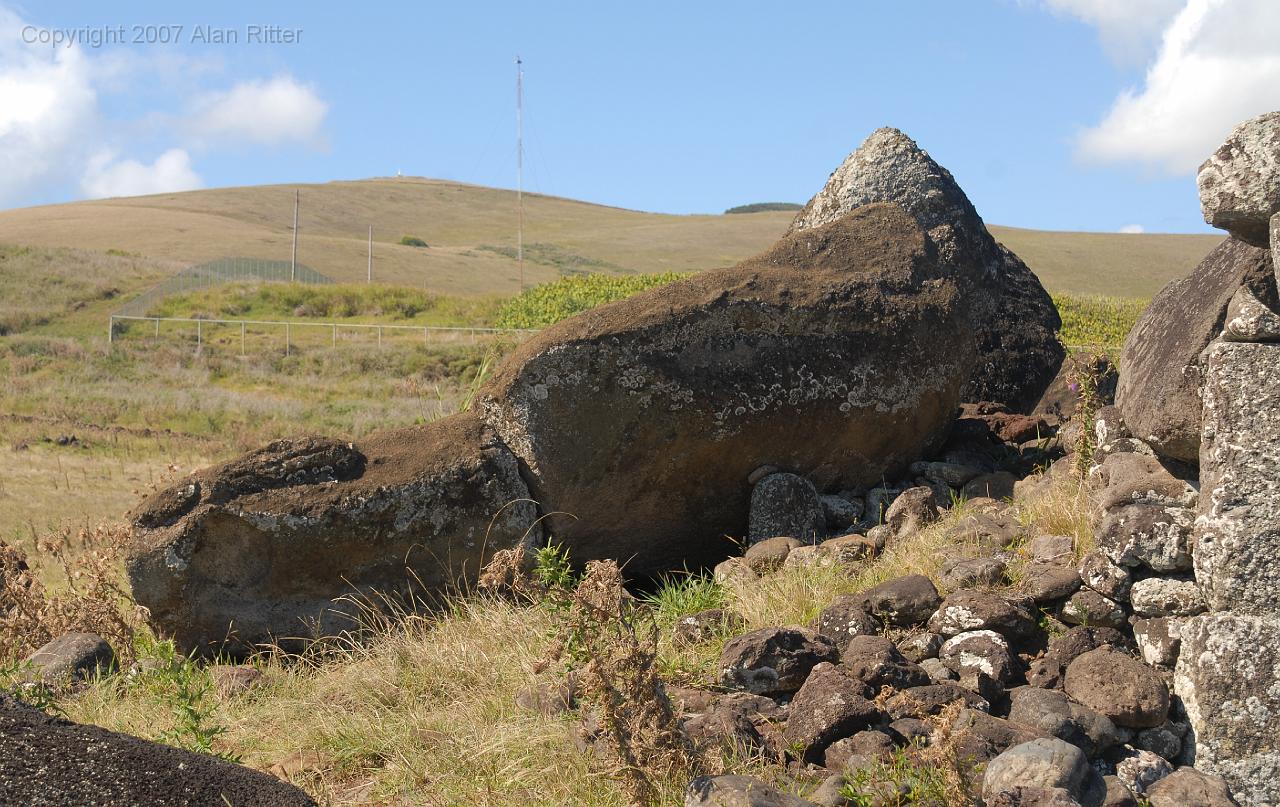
(288,335)
(217,272)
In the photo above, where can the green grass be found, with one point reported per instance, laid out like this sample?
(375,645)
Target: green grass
(1097,321)
(399,305)
(765,207)
(549,303)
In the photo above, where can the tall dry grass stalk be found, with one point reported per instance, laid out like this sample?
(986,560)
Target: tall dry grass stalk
(90,597)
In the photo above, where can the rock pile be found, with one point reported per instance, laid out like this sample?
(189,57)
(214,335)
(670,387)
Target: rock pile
(838,357)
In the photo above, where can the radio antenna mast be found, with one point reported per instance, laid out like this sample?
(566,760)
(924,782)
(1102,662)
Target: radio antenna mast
(520,168)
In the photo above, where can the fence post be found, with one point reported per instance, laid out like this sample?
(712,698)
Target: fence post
(111,330)
(242,339)
(157,327)
(286,339)
(335,334)
(199,335)
(379,336)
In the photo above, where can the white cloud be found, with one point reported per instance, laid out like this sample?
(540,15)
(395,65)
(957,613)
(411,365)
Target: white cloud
(170,172)
(1132,229)
(48,107)
(1128,28)
(271,112)
(1218,64)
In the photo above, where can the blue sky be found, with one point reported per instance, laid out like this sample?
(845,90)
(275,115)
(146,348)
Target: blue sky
(1055,114)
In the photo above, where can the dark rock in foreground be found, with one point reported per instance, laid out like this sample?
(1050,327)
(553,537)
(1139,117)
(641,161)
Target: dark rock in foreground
(51,762)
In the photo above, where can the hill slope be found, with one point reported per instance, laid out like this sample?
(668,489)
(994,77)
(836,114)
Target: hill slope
(471,233)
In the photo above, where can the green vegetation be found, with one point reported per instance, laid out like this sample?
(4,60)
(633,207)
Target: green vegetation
(353,302)
(412,241)
(549,303)
(764,207)
(1099,322)
(564,261)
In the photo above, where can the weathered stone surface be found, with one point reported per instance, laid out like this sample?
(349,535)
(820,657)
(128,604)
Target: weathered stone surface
(1139,770)
(51,761)
(1158,640)
(1118,687)
(948,473)
(258,548)
(786,505)
(919,646)
(979,737)
(1166,596)
(983,650)
(1148,535)
(1051,711)
(841,512)
(818,356)
(844,619)
(72,656)
(769,554)
(1059,549)
(1228,677)
(1159,391)
(1108,579)
(902,601)
(1249,319)
(729,723)
(1030,796)
(1118,795)
(875,661)
(1188,786)
(704,626)
(1046,763)
(831,705)
(1238,530)
(931,699)
(857,751)
(1014,317)
(967,573)
(1240,182)
(981,610)
(773,661)
(998,485)
(1163,741)
(1128,478)
(912,510)
(1046,582)
(738,791)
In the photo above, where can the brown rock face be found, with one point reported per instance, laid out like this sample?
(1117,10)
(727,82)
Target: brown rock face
(1015,320)
(258,548)
(1159,390)
(839,353)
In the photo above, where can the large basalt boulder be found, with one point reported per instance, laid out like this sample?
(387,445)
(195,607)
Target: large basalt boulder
(1159,390)
(639,422)
(1237,534)
(53,762)
(258,549)
(1240,182)
(1228,677)
(1013,316)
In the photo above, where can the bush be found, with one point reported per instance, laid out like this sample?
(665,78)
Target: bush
(551,302)
(412,241)
(764,207)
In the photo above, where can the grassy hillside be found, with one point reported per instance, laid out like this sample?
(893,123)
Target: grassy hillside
(470,231)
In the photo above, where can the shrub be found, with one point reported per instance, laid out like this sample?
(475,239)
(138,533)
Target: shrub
(1097,321)
(551,302)
(763,207)
(412,241)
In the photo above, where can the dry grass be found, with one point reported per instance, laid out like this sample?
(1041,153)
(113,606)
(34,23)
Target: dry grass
(459,221)
(424,712)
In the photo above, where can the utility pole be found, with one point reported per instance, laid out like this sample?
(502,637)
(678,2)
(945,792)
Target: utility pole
(520,168)
(293,261)
(370,253)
